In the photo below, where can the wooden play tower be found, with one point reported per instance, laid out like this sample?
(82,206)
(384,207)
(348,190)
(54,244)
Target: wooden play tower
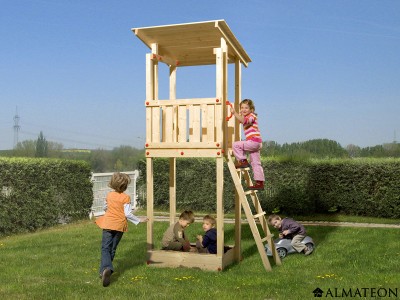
(198,127)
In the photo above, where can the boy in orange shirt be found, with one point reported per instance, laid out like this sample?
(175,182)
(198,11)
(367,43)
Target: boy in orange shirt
(114,222)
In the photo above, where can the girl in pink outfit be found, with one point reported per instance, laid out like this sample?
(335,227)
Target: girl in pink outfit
(252,144)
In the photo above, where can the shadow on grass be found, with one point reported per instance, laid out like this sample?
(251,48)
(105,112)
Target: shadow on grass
(246,236)
(128,259)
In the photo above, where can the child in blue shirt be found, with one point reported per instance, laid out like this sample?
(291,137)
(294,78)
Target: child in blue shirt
(208,242)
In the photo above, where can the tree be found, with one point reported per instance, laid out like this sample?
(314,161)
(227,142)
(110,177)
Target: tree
(25,148)
(41,146)
(54,149)
(353,150)
(99,159)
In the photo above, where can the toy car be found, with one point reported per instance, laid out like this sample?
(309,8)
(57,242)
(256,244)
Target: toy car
(283,246)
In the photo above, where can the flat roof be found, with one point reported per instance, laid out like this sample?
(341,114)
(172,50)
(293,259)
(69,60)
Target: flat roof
(192,44)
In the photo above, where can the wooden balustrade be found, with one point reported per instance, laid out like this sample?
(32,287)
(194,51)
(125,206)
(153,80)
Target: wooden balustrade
(185,127)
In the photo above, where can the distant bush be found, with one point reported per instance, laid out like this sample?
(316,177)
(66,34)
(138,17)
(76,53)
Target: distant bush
(367,187)
(37,193)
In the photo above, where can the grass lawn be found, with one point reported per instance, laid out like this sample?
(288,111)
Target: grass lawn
(62,263)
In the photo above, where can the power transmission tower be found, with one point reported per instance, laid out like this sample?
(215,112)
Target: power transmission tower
(16,128)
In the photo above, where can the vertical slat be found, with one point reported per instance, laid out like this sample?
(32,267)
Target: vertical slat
(182,124)
(211,123)
(148,125)
(203,122)
(156,124)
(162,123)
(168,120)
(175,124)
(195,123)
(218,123)
(190,125)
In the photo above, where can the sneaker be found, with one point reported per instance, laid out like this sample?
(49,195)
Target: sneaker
(258,186)
(243,163)
(308,251)
(106,276)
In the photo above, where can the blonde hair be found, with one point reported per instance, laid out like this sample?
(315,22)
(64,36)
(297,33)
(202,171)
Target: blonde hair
(209,219)
(119,182)
(187,215)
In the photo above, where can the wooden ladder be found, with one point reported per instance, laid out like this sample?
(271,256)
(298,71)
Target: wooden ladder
(252,218)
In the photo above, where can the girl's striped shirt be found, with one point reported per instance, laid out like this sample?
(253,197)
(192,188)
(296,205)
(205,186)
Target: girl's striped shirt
(250,127)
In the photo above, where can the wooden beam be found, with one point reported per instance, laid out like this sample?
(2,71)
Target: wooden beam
(165,59)
(185,145)
(184,152)
(194,101)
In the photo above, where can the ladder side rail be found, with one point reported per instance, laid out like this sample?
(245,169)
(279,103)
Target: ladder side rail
(249,214)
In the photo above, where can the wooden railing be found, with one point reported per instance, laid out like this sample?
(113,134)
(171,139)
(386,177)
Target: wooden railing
(186,127)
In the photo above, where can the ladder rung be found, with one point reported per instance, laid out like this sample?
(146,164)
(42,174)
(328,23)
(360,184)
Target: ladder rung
(250,192)
(242,169)
(270,236)
(259,215)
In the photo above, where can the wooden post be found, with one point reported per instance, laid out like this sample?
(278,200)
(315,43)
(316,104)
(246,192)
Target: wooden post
(237,136)
(224,91)
(220,114)
(172,160)
(154,50)
(150,203)
(149,138)
(220,206)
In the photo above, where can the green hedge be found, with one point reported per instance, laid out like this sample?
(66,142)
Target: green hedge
(38,193)
(367,187)
(195,184)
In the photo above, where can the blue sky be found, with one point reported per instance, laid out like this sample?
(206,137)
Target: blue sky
(320,69)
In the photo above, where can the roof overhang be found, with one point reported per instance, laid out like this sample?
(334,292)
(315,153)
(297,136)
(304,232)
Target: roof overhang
(193,44)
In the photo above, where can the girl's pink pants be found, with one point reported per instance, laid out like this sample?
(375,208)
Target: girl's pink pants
(253,148)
